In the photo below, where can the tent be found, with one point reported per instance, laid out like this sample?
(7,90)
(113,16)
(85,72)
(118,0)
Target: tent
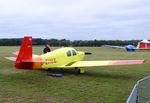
(144,44)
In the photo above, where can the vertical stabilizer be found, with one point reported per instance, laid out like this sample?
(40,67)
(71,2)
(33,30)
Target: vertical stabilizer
(25,54)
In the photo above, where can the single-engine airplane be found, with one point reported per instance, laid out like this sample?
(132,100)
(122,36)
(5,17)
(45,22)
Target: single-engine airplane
(64,58)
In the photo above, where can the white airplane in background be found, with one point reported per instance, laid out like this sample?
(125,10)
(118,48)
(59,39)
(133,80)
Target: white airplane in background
(143,45)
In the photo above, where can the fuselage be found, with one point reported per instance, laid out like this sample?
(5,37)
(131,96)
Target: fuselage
(58,58)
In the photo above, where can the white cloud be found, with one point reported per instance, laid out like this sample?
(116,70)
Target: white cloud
(75,19)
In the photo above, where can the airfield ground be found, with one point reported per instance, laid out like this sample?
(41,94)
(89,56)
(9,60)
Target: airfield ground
(111,84)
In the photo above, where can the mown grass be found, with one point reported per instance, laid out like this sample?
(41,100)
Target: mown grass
(111,84)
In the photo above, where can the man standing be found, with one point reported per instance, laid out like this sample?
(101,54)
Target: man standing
(47,48)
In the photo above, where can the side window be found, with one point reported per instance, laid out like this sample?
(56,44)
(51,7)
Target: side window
(69,53)
(74,52)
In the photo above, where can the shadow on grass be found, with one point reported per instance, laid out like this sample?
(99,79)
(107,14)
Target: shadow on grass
(89,74)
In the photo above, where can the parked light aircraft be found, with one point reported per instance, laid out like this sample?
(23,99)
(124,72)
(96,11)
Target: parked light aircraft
(129,48)
(64,58)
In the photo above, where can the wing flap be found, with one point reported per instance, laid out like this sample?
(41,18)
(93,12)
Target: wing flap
(105,63)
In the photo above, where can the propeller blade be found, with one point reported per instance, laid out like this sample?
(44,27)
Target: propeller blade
(88,53)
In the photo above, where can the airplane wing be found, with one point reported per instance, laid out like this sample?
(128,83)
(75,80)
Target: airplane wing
(112,46)
(103,63)
(142,48)
(93,63)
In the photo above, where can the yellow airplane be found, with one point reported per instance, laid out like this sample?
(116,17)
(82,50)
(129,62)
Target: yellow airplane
(65,58)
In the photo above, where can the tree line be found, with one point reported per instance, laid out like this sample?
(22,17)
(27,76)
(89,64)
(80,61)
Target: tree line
(66,43)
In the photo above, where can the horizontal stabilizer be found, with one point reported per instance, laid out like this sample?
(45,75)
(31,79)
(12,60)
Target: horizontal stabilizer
(31,61)
(104,63)
(11,58)
(37,61)
(16,53)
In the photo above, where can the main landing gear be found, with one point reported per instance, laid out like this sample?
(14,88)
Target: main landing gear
(81,70)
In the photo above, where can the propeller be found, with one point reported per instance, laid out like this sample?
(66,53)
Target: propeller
(88,53)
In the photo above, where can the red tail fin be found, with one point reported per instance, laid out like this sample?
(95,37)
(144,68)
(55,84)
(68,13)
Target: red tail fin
(25,53)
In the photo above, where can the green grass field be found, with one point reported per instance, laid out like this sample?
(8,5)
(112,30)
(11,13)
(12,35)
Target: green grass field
(111,84)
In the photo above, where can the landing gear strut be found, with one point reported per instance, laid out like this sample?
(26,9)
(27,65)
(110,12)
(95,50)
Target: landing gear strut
(81,70)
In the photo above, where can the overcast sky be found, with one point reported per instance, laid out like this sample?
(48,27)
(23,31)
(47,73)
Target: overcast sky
(75,19)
